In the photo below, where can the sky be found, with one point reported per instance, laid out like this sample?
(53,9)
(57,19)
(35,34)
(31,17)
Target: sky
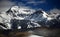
(45,5)
(37,4)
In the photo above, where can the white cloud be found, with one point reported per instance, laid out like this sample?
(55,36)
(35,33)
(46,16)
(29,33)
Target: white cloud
(54,13)
(55,10)
(5,5)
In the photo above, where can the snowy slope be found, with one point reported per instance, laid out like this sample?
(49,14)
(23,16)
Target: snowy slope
(14,12)
(20,18)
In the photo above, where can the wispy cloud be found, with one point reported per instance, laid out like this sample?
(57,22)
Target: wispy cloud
(36,2)
(29,2)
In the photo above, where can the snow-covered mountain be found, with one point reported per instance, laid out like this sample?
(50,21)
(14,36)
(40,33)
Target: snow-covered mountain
(14,13)
(20,18)
(21,13)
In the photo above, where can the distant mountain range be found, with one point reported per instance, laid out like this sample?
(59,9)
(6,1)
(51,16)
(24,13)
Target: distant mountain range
(23,18)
